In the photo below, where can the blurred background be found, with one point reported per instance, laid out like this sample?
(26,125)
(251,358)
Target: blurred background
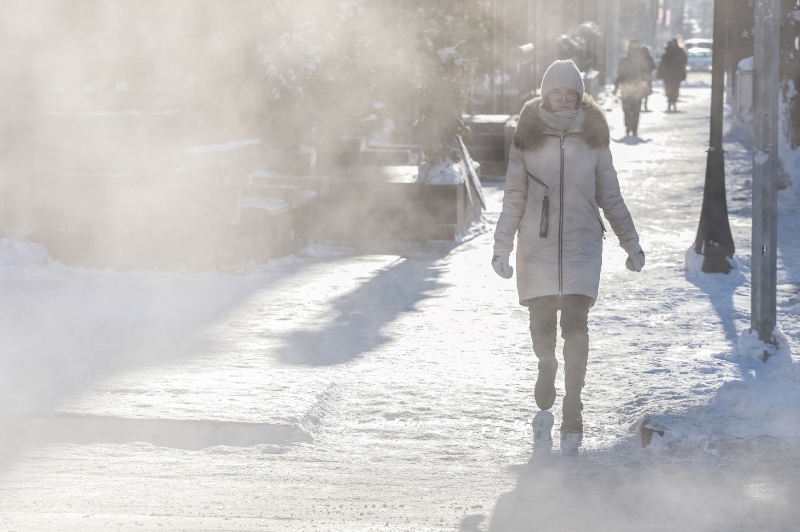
(202,134)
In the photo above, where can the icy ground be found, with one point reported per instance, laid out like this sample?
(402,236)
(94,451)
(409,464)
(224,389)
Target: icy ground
(391,389)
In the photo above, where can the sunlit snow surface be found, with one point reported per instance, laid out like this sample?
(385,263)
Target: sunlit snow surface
(390,387)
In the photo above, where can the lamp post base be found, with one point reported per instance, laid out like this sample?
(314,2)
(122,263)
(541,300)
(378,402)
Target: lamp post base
(716,264)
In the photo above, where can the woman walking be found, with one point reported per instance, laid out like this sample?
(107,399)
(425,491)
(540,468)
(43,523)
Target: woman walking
(672,69)
(559,175)
(632,75)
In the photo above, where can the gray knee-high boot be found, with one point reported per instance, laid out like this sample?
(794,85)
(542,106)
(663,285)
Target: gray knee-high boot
(575,331)
(543,335)
(576,355)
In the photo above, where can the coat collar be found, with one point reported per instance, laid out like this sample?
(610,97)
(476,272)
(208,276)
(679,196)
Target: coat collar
(591,124)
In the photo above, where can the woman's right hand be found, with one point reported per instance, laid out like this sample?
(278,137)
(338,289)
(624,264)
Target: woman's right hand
(501,265)
(635,261)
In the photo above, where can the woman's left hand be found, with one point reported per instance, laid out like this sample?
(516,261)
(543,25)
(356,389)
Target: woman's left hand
(501,265)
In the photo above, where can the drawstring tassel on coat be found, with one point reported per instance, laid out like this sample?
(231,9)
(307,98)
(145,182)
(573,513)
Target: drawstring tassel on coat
(545,206)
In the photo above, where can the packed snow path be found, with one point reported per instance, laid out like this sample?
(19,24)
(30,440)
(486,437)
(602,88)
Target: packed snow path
(391,389)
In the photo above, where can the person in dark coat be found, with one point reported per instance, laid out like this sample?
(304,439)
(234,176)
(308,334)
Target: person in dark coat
(632,75)
(672,69)
(651,65)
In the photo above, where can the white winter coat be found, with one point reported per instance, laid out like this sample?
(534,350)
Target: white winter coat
(568,258)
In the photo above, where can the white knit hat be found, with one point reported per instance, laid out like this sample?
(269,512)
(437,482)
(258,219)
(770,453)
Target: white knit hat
(563,74)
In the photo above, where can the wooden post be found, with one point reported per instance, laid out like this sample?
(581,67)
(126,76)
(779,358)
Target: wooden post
(493,75)
(503,61)
(3,199)
(600,56)
(533,29)
(4,71)
(766,60)
(612,52)
(540,41)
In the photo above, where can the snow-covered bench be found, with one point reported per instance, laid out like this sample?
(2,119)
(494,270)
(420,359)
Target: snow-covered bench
(263,214)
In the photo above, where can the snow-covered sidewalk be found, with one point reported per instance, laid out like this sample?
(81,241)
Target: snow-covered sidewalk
(391,388)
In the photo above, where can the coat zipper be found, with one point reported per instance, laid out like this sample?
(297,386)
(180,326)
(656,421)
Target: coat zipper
(545,206)
(538,180)
(561,223)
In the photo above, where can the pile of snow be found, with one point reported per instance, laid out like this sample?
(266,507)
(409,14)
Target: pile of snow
(20,257)
(447,173)
(693,266)
(676,442)
(751,347)
(692,261)
(768,403)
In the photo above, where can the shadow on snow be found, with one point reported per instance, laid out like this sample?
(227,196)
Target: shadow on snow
(358,317)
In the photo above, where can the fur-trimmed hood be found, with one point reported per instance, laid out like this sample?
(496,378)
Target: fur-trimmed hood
(531,130)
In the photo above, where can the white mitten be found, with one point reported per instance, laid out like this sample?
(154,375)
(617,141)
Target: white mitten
(635,261)
(501,265)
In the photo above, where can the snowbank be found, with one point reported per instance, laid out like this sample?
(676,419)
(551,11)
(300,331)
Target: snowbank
(768,404)
(764,403)
(20,257)
(447,173)
(764,406)
(750,347)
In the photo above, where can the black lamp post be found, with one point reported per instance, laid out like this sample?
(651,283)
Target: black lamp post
(714,240)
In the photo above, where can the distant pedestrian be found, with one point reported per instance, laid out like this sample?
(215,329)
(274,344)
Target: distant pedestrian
(560,175)
(632,75)
(672,69)
(651,65)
